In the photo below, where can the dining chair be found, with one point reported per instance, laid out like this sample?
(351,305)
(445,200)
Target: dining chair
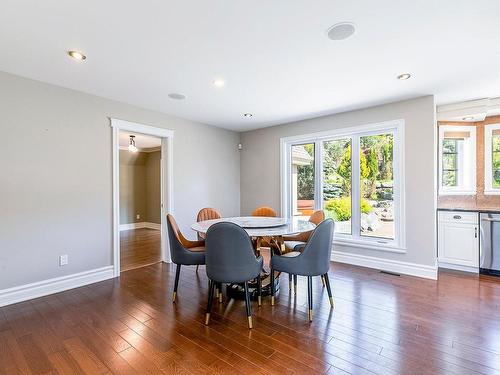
(206,213)
(230,258)
(297,243)
(264,211)
(183,251)
(314,260)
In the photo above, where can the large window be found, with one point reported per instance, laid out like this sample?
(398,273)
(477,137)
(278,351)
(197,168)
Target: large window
(355,176)
(492,159)
(457,160)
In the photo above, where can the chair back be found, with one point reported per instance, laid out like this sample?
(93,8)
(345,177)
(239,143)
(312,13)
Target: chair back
(317,217)
(229,254)
(264,211)
(208,213)
(318,249)
(178,242)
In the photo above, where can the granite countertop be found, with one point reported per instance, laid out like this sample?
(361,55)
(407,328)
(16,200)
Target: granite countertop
(473,203)
(468,209)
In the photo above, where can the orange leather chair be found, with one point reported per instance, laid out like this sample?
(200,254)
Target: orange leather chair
(264,211)
(299,240)
(207,213)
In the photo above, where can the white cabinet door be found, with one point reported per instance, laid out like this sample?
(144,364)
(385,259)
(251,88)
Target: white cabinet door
(458,244)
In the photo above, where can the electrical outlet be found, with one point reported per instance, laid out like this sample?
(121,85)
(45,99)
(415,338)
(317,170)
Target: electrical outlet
(137,216)
(63,260)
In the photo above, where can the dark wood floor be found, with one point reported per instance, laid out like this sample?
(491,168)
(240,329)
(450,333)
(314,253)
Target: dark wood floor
(139,247)
(382,324)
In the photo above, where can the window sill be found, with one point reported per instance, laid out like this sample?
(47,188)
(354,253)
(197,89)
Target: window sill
(458,192)
(370,245)
(492,192)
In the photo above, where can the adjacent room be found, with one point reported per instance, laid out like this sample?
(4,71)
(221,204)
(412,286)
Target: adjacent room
(140,200)
(265,187)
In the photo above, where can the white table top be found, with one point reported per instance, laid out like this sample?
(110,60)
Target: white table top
(261,226)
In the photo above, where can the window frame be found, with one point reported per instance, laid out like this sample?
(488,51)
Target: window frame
(488,159)
(355,239)
(460,189)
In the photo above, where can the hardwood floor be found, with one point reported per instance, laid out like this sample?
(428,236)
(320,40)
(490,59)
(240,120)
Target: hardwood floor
(381,324)
(139,248)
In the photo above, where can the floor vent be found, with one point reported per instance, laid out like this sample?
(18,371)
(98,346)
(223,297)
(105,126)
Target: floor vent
(390,273)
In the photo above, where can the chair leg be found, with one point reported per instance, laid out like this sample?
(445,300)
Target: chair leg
(328,288)
(290,277)
(310,297)
(271,275)
(197,266)
(176,284)
(295,284)
(220,292)
(259,290)
(323,280)
(248,306)
(211,290)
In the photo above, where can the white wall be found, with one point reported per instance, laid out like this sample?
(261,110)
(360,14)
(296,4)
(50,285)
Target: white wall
(56,177)
(260,170)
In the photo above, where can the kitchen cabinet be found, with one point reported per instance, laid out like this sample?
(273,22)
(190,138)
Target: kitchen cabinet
(458,240)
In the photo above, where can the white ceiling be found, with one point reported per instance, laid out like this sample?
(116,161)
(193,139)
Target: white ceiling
(142,141)
(273,54)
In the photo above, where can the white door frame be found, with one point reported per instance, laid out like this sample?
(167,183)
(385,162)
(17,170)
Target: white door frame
(167,195)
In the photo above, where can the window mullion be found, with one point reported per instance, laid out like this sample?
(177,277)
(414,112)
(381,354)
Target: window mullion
(318,175)
(355,188)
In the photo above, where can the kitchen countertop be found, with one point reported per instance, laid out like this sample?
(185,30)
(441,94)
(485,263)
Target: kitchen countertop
(470,209)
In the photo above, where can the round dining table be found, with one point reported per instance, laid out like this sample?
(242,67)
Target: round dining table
(266,232)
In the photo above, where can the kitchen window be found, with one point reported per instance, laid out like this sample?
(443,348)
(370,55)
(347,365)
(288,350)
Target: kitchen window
(457,160)
(492,159)
(355,175)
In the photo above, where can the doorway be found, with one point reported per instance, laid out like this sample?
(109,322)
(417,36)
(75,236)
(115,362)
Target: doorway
(142,194)
(140,201)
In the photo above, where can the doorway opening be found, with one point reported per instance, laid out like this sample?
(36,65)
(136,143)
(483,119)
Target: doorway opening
(140,200)
(142,194)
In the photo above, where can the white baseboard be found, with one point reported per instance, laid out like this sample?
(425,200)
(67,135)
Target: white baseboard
(131,226)
(55,285)
(458,267)
(413,269)
(142,224)
(152,226)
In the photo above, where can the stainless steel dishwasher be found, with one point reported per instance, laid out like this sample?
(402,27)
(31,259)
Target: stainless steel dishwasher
(489,245)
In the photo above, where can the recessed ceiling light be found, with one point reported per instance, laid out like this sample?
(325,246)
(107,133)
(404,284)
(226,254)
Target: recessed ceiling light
(177,96)
(341,31)
(404,76)
(77,55)
(247,115)
(468,118)
(218,82)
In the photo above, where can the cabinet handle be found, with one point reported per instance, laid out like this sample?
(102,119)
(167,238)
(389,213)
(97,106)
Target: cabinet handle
(458,217)
(475,232)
